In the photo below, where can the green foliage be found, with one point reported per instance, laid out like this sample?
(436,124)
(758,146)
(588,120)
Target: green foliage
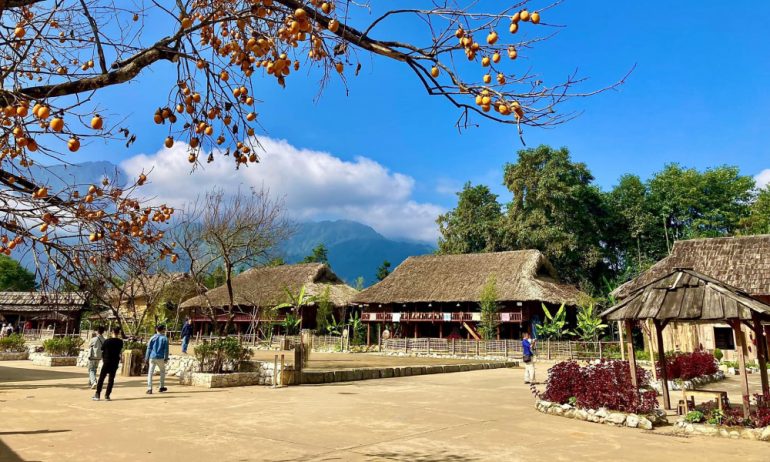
(359,283)
(358,329)
(553,327)
(716,417)
(489,309)
(13,342)
(758,221)
(334,327)
(140,347)
(324,311)
(718,354)
(642,355)
(221,355)
(14,277)
(291,324)
(589,325)
(63,346)
(215,279)
(320,255)
(277,261)
(694,417)
(475,225)
(556,209)
(383,271)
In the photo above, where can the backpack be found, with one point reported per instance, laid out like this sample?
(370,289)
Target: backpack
(95,352)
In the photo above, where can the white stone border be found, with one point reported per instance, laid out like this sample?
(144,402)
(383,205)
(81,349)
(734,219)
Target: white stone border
(603,416)
(53,361)
(689,384)
(684,427)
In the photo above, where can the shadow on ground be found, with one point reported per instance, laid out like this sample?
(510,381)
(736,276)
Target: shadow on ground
(33,374)
(420,457)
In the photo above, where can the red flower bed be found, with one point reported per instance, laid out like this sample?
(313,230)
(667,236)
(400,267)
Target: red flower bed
(606,384)
(686,366)
(733,416)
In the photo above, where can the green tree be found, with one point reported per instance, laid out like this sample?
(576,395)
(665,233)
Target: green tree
(383,271)
(758,220)
(359,283)
(14,277)
(214,279)
(475,225)
(589,325)
(557,209)
(324,312)
(277,261)
(318,255)
(296,301)
(489,309)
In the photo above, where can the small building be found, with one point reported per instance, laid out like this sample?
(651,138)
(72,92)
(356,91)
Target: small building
(59,312)
(257,290)
(742,262)
(438,295)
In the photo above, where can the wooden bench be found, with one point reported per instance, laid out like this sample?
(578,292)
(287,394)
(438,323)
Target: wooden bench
(704,395)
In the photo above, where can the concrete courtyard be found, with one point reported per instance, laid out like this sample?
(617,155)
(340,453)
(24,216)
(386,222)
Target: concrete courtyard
(47,415)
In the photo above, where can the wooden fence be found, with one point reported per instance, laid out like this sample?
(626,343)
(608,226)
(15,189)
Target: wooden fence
(545,349)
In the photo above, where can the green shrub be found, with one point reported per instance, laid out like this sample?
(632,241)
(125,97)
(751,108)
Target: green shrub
(694,417)
(63,346)
(135,345)
(642,355)
(718,354)
(220,355)
(14,343)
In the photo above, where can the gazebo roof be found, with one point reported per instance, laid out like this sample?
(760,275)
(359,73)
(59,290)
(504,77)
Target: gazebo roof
(687,295)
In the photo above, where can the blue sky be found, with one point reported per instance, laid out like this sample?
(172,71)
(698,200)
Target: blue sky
(698,96)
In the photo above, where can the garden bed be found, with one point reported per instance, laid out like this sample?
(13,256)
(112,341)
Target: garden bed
(604,416)
(14,355)
(54,361)
(723,431)
(691,384)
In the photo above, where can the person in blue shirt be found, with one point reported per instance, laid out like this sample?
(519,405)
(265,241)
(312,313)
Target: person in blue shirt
(527,345)
(187,331)
(157,355)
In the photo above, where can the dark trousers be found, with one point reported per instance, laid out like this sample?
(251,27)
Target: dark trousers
(107,369)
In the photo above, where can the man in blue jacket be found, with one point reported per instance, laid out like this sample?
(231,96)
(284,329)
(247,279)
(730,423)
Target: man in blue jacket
(187,331)
(157,355)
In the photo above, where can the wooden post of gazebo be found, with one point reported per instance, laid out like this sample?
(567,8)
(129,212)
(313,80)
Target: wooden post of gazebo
(659,326)
(742,353)
(631,355)
(761,351)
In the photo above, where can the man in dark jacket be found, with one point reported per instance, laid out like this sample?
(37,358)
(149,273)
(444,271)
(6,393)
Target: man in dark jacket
(111,349)
(187,331)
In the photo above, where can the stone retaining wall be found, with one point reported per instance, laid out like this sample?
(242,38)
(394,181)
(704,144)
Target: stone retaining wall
(39,359)
(687,428)
(604,416)
(235,379)
(14,355)
(351,375)
(689,384)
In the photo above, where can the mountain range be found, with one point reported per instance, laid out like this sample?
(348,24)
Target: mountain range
(354,249)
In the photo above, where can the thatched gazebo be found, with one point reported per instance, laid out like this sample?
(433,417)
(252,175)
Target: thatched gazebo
(687,295)
(436,295)
(266,287)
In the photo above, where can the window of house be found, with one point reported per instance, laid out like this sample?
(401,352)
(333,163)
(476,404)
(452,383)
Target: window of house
(723,338)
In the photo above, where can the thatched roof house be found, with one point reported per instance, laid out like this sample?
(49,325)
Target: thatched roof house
(266,287)
(43,308)
(742,262)
(521,276)
(434,295)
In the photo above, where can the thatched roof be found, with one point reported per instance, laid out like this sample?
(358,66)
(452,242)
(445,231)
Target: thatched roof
(29,302)
(266,287)
(522,275)
(684,294)
(147,284)
(743,262)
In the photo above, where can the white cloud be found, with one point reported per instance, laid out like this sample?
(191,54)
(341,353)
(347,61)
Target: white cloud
(314,185)
(762,178)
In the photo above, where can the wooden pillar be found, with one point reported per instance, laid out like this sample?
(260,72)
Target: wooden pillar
(416,330)
(631,356)
(659,326)
(441,330)
(622,343)
(761,352)
(368,335)
(742,353)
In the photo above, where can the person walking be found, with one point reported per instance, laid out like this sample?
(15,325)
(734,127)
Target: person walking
(187,331)
(111,349)
(527,345)
(95,355)
(157,355)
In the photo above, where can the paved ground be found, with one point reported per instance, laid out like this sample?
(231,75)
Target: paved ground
(46,415)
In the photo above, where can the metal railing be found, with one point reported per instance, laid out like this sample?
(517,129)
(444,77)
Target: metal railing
(545,349)
(433,316)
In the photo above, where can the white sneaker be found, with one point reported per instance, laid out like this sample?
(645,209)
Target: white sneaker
(93,385)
